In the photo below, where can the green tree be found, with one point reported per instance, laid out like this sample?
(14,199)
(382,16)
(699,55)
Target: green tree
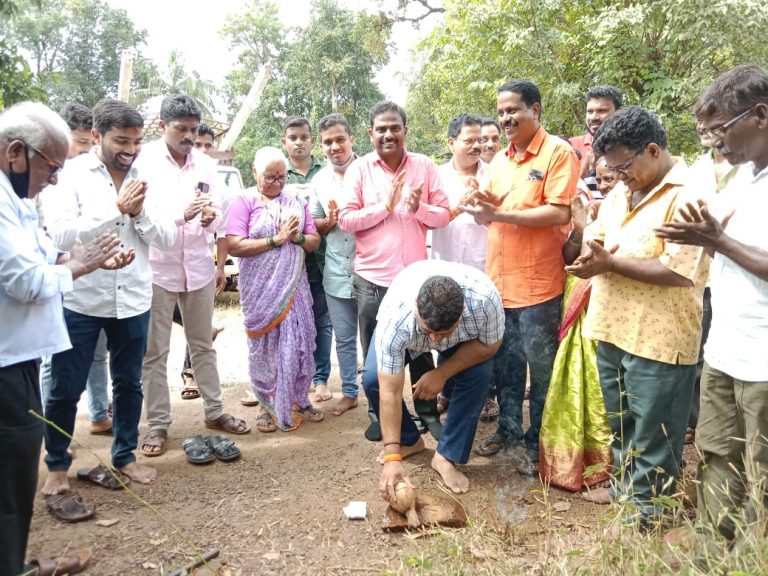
(75,46)
(176,80)
(659,53)
(17,82)
(328,65)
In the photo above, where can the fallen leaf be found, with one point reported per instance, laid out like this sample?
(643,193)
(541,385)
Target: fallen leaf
(562,506)
(271,555)
(107,523)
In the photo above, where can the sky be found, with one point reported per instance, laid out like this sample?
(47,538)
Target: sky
(195,33)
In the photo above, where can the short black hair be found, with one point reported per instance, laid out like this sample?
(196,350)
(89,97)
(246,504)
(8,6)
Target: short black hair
(491,122)
(296,122)
(440,302)
(606,91)
(205,129)
(109,114)
(528,91)
(77,117)
(734,91)
(458,122)
(332,120)
(177,106)
(633,127)
(388,106)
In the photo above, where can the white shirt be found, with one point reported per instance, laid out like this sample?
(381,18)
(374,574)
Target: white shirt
(737,339)
(31,284)
(84,204)
(397,330)
(463,240)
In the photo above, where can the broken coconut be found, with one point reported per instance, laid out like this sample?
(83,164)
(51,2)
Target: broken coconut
(405,502)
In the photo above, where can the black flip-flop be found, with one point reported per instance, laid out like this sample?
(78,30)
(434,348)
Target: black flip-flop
(223,447)
(104,477)
(197,450)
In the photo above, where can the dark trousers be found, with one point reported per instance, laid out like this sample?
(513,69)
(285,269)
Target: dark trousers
(20,438)
(647,402)
(324,334)
(470,388)
(127,343)
(369,297)
(706,322)
(530,342)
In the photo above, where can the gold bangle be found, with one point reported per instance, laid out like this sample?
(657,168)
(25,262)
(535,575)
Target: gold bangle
(389,208)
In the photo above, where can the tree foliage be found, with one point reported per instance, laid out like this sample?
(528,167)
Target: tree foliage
(17,82)
(660,53)
(74,46)
(328,65)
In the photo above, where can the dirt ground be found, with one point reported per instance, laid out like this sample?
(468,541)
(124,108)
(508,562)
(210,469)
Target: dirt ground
(278,510)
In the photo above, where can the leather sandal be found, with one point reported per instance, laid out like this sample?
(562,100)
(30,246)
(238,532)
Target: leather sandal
(223,447)
(490,445)
(73,562)
(228,423)
(156,438)
(197,450)
(104,477)
(69,507)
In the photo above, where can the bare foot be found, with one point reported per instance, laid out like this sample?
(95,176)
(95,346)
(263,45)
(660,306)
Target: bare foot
(597,496)
(216,330)
(346,403)
(56,483)
(322,393)
(139,473)
(405,451)
(454,479)
(102,426)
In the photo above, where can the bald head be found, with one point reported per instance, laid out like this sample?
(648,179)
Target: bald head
(34,143)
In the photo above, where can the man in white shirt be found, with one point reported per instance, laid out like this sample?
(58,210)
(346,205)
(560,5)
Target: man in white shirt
(99,192)
(732,114)
(33,277)
(183,274)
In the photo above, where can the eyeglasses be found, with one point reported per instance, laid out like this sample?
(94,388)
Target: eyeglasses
(274,179)
(470,141)
(719,132)
(622,169)
(53,168)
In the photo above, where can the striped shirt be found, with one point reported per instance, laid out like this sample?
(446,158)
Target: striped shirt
(398,331)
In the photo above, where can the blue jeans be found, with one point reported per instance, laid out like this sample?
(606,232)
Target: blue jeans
(127,343)
(98,381)
(470,389)
(343,313)
(530,341)
(323,339)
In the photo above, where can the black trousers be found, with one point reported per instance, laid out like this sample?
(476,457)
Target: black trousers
(21,436)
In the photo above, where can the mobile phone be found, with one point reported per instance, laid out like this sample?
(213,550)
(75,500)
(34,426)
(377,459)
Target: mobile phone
(202,187)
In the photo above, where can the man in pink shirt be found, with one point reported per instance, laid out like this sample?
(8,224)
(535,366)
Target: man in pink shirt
(184,179)
(392,197)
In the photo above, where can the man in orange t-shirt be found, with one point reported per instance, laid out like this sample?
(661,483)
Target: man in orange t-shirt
(527,207)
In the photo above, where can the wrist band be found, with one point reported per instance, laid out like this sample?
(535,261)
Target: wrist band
(454,214)
(389,208)
(120,207)
(394,457)
(301,239)
(271,242)
(572,241)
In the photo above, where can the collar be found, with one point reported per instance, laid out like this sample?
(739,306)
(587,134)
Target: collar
(588,138)
(534,146)
(677,176)
(316,164)
(93,162)
(190,161)
(379,161)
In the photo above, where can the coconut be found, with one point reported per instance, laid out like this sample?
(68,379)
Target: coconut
(405,502)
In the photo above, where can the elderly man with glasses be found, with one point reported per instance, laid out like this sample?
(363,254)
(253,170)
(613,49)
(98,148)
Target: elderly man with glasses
(645,312)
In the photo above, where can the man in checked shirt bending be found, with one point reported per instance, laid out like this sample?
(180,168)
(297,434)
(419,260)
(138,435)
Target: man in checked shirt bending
(456,310)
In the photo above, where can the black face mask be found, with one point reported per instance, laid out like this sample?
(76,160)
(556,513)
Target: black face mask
(20,180)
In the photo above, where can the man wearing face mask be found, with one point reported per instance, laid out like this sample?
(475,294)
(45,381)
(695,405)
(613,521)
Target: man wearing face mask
(33,278)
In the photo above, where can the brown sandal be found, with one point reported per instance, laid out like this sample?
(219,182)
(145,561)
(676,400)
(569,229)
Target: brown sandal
(265,423)
(442,403)
(310,413)
(228,423)
(156,438)
(69,507)
(72,563)
(190,390)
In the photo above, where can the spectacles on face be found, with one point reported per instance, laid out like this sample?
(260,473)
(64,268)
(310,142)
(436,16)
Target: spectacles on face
(53,168)
(274,179)
(718,132)
(470,141)
(627,165)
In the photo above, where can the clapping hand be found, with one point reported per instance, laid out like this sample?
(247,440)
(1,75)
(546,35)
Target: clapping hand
(695,226)
(196,206)
(130,200)
(288,230)
(414,197)
(594,260)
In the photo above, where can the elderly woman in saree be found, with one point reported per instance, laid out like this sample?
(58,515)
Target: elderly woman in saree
(575,439)
(270,229)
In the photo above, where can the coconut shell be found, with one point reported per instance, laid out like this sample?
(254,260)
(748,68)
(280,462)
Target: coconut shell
(404,497)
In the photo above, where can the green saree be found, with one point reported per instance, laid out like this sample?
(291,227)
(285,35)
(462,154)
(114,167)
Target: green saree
(575,440)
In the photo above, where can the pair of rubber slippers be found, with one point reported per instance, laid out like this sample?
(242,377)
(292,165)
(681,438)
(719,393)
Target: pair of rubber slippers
(205,449)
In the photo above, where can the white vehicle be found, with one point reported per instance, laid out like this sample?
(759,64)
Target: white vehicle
(229,176)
